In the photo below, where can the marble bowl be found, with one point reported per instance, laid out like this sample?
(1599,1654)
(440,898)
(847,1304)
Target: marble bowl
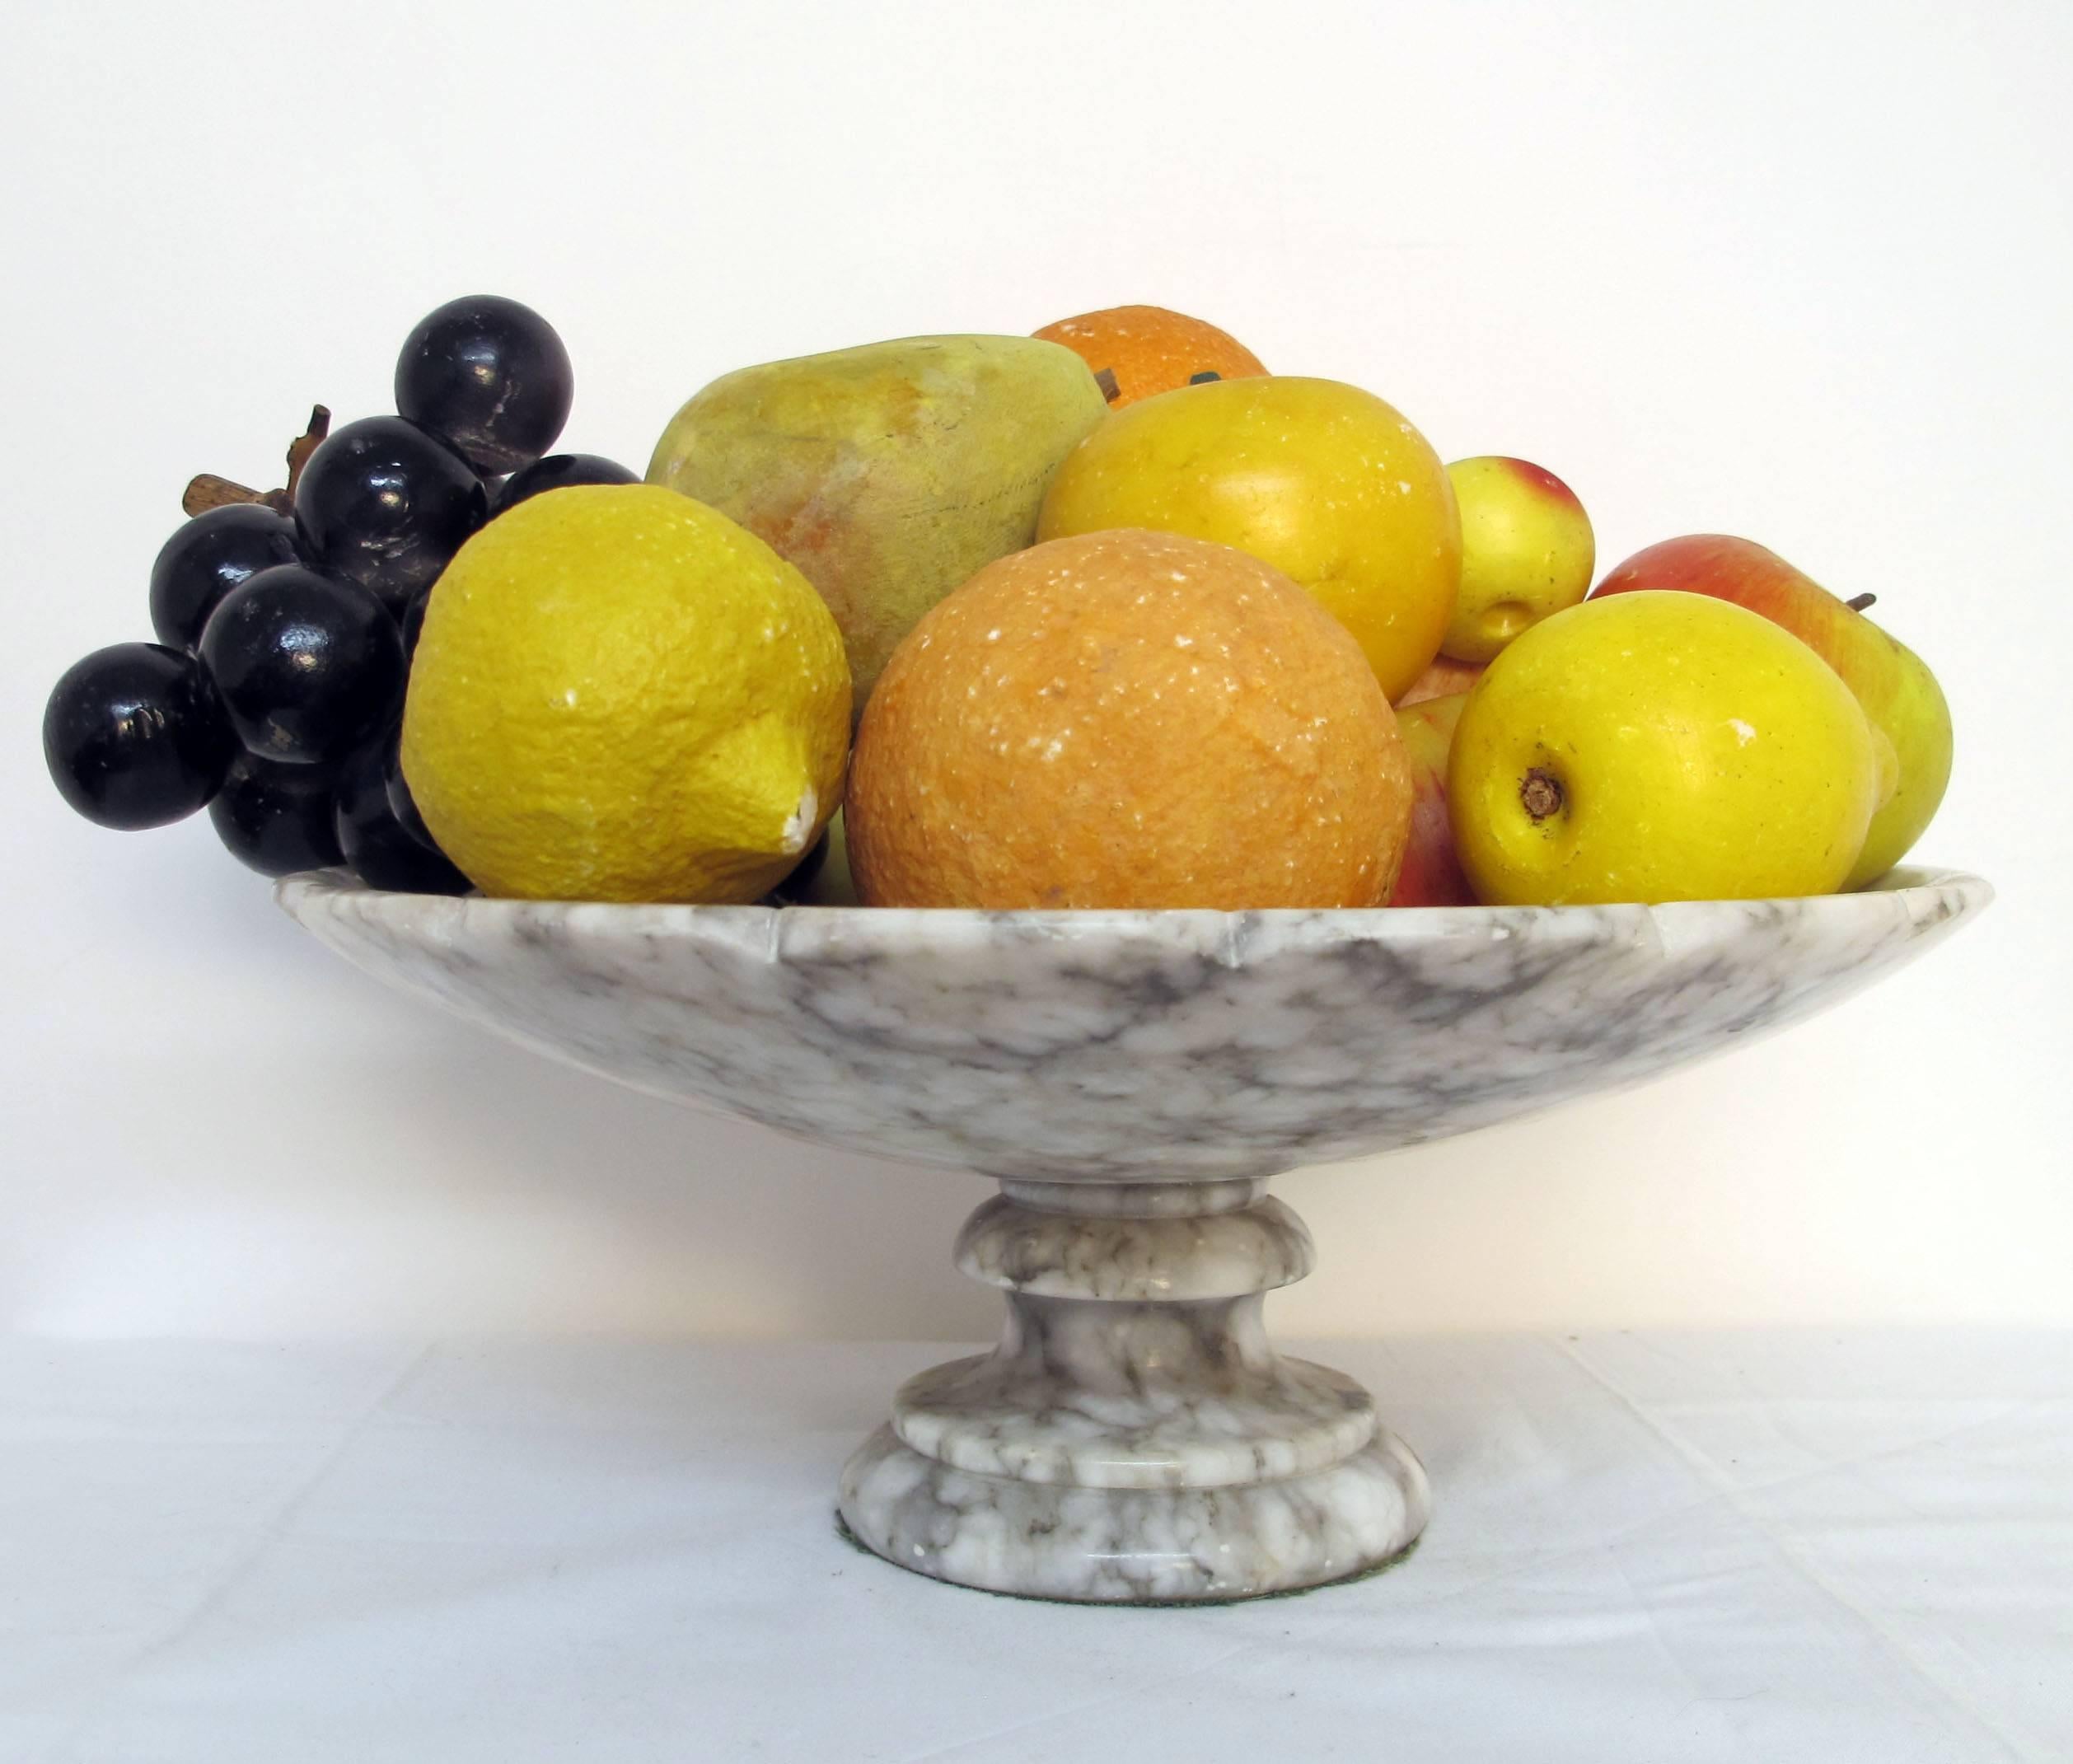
(1131,1080)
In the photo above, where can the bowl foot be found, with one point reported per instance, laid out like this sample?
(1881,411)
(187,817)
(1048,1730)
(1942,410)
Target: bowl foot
(1134,1438)
(1147,1547)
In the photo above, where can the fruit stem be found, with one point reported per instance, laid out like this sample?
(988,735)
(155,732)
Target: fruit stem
(205,490)
(1541,794)
(1860,602)
(300,449)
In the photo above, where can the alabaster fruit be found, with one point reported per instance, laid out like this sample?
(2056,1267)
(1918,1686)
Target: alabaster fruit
(1659,746)
(1431,874)
(887,473)
(1324,481)
(1898,693)
(1137,352)
(1526,551)
(619,694)
(1127,720)
(1443,679)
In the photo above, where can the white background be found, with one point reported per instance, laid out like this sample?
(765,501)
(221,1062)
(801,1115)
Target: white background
(1795,271)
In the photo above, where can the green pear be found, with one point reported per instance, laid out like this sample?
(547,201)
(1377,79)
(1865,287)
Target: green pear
(887,473)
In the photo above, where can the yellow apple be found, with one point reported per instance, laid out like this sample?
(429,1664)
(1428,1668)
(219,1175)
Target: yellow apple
(1660,747)
(1893,684)
(1526,551)
(1324,481)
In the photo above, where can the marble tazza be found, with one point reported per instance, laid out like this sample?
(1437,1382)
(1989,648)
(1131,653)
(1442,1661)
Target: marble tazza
(1131,1080)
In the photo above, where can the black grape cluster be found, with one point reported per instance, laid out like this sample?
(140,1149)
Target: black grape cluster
(273,696)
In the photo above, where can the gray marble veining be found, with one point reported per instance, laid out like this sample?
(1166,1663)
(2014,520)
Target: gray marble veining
(1135,1435)
(1131,1079)
(1130,1046)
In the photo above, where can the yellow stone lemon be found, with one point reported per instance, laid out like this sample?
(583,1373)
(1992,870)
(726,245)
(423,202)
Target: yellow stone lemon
(1660,747)
(619,694)
(1327,483)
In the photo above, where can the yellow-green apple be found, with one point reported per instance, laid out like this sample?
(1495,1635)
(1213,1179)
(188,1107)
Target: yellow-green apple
(1445,677)
(1526,551)
(887,473)
(1324,481)
(1659,746)
(1896,688)
(1431,873)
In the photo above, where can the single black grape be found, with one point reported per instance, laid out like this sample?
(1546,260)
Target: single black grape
(411,625)
(136,736)
(276,818)
(788,892)
(308,667)
(209,557)
(385,504)
(403,805)
(557,472)
(381,851)
(489,377)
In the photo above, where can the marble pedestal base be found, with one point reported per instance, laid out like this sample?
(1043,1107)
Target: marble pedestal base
(1135,1438)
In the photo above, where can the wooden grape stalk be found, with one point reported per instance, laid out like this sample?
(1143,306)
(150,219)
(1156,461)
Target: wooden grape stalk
(205,490)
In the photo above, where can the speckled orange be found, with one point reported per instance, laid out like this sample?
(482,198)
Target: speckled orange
(1127,720)
(1151,350)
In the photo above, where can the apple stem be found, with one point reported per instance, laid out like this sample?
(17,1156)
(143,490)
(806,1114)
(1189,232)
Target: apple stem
(1541,794)
(1860,602)
(206,491)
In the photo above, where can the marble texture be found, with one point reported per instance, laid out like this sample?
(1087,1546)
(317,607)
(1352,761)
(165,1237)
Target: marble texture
(1130,1046)
(1131,1079)
(1134,1436)
(1081,1546)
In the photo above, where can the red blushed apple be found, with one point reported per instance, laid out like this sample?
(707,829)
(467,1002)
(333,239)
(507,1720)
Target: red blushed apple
(1526,552)
(1445,677)
(1431,875)
(1898,693)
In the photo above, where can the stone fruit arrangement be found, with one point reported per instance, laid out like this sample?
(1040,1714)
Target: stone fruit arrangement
(1106,617)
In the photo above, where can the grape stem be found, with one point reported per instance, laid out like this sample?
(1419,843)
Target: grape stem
(206,491)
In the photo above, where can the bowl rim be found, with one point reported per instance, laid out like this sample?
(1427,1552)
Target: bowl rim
(1923,891)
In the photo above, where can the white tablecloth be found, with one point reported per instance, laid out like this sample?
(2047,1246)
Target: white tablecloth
(1778,1547)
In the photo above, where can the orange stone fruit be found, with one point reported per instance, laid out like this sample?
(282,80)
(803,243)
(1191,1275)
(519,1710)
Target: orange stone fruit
(1127,720)
(1144,350)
